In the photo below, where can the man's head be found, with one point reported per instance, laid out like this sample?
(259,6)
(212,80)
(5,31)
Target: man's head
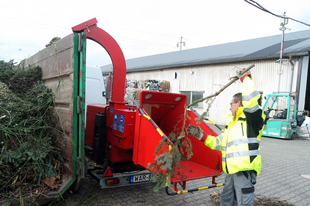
(235,103)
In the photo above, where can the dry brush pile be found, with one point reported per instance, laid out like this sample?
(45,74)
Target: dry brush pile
(28,158)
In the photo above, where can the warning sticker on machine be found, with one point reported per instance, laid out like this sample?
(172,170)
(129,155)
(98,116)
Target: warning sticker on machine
(115,119)
(121,123)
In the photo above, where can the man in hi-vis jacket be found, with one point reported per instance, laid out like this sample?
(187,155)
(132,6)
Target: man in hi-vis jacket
(239,144)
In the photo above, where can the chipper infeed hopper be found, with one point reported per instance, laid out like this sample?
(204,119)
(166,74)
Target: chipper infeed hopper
(161,114)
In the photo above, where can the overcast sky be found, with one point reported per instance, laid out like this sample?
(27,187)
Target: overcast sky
(142,27)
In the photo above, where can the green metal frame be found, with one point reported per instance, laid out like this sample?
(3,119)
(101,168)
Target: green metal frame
(79,76)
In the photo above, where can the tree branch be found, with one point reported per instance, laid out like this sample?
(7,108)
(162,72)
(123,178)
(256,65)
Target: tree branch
(232,80)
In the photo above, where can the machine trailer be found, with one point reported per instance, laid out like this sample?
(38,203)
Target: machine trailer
(123,138)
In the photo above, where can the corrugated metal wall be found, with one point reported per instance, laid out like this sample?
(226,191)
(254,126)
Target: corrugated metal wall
(211,78)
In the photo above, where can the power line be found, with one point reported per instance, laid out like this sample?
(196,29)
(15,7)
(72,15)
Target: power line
(44,26)
(73,20)
(62,29)
(37,25)
(257,5)
(144,42)
(33,12)
(139,31)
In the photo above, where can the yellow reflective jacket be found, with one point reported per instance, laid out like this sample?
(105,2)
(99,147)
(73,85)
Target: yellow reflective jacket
(240,141)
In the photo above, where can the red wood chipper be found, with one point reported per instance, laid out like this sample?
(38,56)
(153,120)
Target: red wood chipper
(122,138)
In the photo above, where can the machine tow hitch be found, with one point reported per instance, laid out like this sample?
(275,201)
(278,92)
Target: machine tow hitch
(184,191)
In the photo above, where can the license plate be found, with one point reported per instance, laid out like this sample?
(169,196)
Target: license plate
(140,178)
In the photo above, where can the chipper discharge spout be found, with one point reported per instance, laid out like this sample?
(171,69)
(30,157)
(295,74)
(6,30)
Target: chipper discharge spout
(164,115)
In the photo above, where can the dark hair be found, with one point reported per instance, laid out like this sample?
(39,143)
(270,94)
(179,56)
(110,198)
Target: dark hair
(238,97)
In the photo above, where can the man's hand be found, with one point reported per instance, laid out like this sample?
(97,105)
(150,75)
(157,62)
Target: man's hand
(194,131)
(240,76)
(245,75)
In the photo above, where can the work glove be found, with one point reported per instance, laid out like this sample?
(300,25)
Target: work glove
(194,131)
(245,75)
(240,76)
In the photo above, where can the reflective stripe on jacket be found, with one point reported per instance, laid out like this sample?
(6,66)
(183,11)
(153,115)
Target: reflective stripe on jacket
(240,141)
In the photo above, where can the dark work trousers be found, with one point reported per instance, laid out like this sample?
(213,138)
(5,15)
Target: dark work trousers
(239,187)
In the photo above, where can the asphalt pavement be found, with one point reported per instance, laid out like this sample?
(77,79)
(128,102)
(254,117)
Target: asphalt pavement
(283,163)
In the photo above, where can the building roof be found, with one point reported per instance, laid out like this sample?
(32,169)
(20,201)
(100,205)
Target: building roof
(296,43)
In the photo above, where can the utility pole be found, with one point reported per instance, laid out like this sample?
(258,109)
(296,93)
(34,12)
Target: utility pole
(181,43)
(283,28)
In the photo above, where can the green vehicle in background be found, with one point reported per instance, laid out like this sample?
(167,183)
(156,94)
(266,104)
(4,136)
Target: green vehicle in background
(280,110)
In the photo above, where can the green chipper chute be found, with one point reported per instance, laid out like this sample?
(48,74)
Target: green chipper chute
(280,110)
